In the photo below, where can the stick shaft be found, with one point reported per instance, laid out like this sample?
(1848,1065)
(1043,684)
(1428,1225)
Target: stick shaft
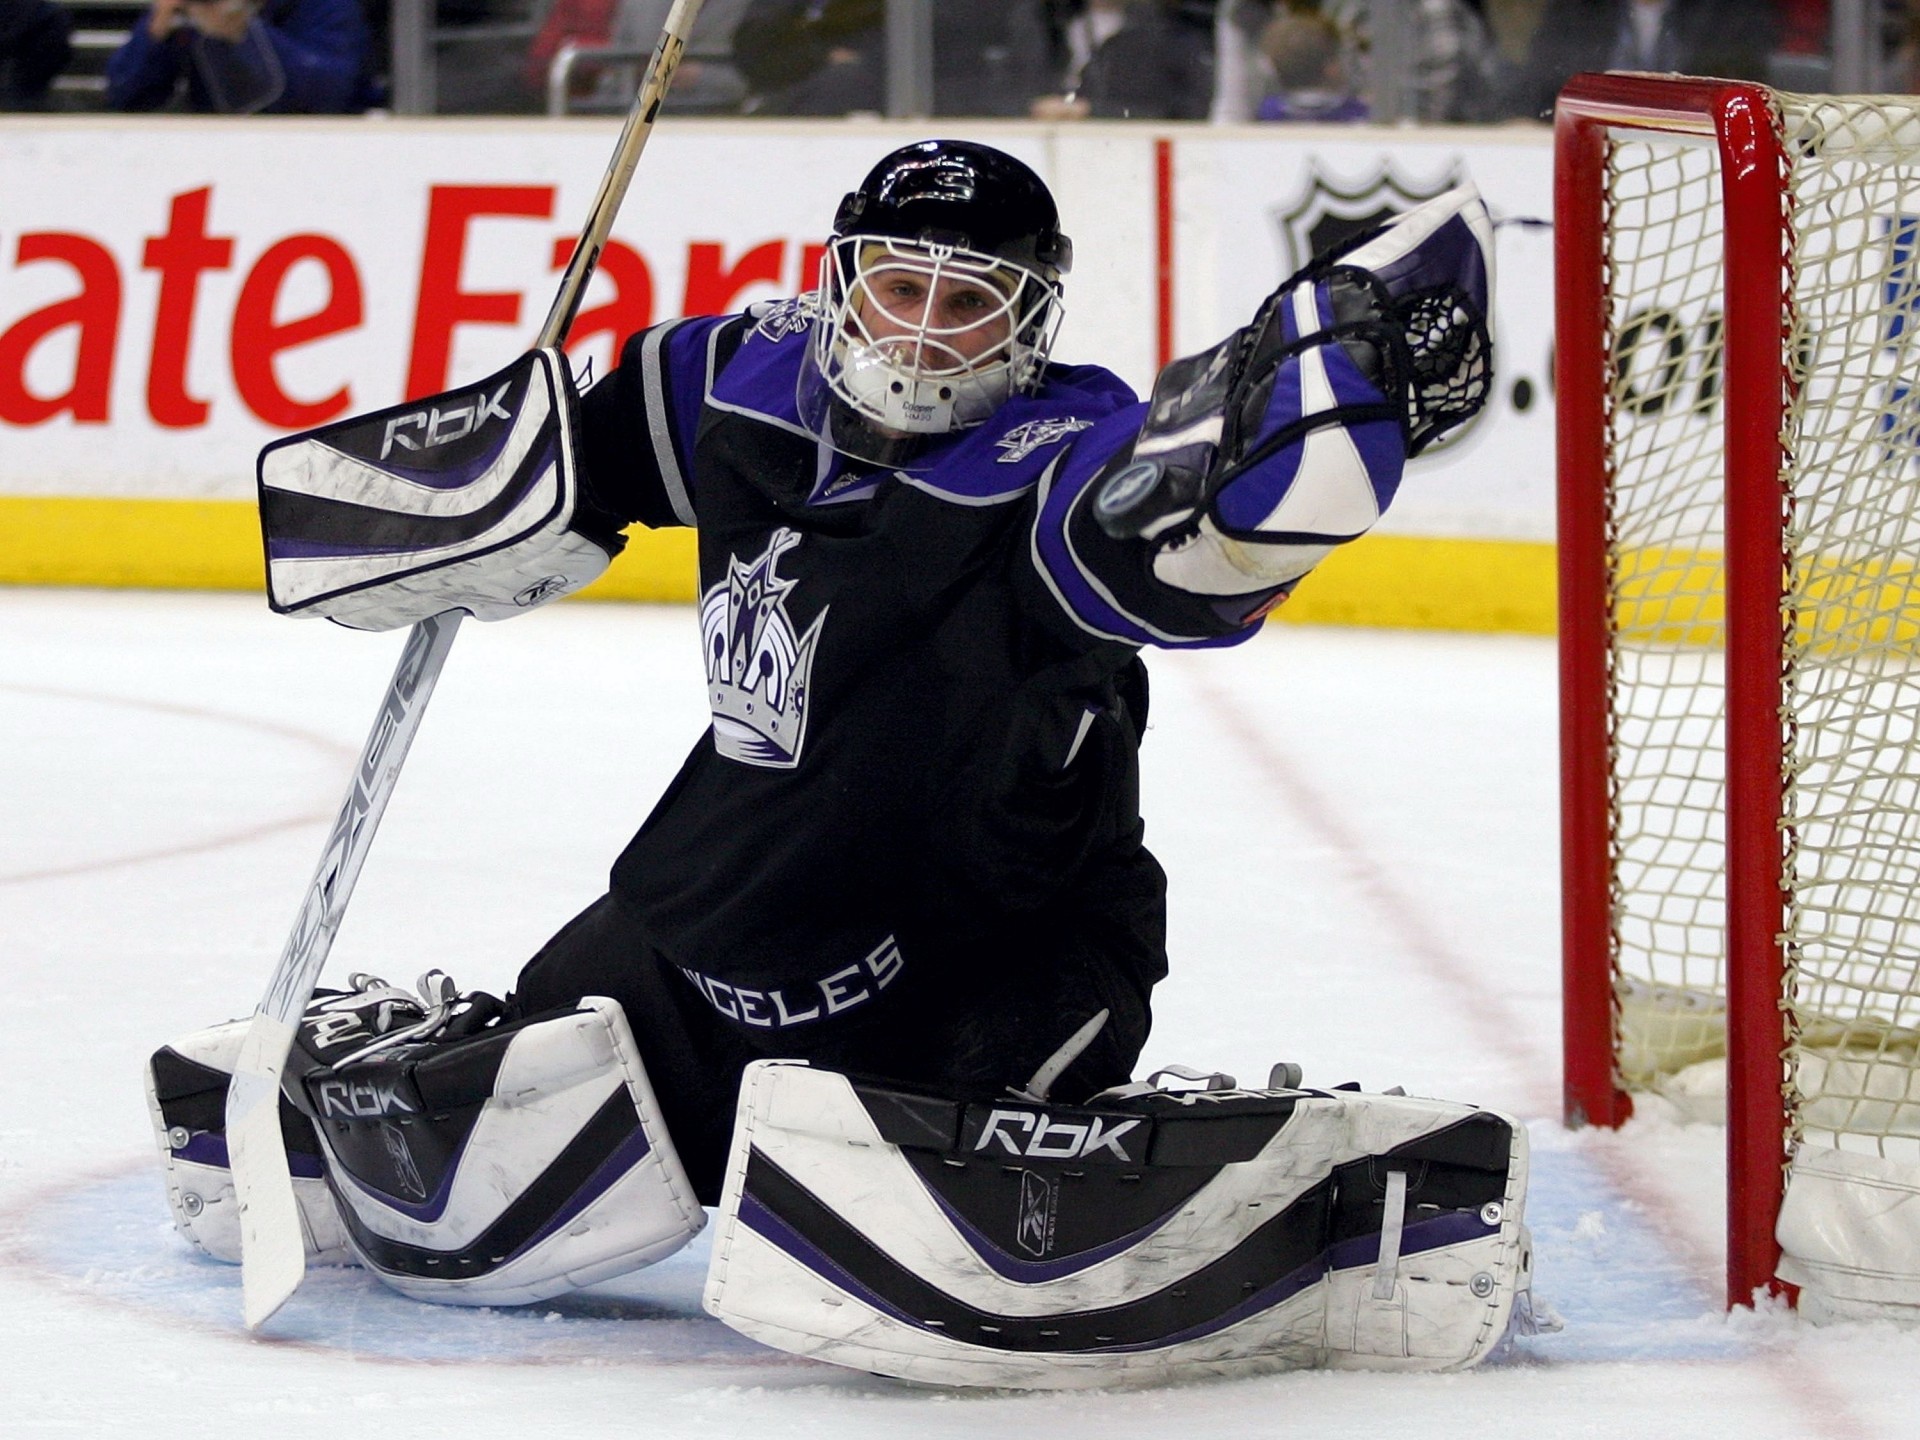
(273,1246)
(667,54)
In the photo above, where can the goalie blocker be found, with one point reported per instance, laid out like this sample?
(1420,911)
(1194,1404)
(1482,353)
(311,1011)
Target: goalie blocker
(1149,1235)
(469,500)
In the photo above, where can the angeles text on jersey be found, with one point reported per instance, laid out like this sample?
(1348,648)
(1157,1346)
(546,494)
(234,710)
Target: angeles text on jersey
(797,1003)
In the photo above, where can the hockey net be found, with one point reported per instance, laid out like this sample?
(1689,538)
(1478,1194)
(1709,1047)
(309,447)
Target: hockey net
(1739,388)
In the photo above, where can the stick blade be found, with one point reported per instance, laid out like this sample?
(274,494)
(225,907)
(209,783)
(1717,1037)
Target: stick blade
(273,1249)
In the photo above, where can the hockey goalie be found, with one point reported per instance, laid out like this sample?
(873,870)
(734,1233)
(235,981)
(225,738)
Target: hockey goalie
(872,979)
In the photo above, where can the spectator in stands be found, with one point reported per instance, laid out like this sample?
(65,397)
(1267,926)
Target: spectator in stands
(1303,55)
(1136,60)
(813,57)
(1076,32)
(34,49)
(241,57)
(829,57)
(1454,66)
(1729,38)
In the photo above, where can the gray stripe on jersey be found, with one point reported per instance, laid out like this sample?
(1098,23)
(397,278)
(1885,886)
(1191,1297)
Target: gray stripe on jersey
(713,374)
(954,497)
(1086,575)
(656,396)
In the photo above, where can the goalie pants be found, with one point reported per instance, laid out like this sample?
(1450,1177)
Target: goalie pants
(977,1029)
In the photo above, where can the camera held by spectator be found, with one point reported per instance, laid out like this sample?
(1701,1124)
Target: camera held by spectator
(240,57)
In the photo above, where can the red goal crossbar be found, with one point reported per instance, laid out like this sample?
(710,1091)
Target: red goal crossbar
(1741,121)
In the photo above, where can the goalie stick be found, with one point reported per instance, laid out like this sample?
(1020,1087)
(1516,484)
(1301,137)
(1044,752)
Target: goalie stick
(273,1250)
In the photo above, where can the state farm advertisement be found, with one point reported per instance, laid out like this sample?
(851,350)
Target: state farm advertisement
(173,295)
(176,292)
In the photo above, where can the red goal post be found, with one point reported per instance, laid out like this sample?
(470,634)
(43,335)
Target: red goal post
(1738,387)
(1738,119)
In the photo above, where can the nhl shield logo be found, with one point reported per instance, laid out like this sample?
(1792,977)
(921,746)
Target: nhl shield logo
(1331,209)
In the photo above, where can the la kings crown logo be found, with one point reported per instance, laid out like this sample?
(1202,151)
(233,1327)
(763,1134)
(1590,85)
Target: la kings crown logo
(1023,440)
(758,671)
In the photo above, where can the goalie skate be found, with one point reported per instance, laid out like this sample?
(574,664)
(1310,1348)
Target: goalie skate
(1146,1237)
(500,1167)
(187,1099)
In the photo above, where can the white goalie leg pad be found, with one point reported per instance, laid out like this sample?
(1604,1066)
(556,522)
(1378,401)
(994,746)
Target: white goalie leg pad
(505,1167)
(1849,1233)
(187,1099)
(1143,1238)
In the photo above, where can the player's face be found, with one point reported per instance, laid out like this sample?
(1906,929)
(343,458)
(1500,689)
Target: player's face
(968,314)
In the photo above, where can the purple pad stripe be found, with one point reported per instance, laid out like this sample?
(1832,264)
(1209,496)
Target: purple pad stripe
(325,550)
(210,1148)
(1435,1234)
(535,468)
(453,477)
(1456,1228)
(1383,450)
(627,1154)
(1251,496)
(1451,255)
(771,1228)
(1033,1272)
(1278,1293)
(426,1211)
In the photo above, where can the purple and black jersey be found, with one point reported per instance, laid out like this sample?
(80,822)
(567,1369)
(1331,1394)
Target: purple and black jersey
(926,693)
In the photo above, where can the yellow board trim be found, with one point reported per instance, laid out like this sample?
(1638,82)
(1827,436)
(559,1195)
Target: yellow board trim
(1393,581)
(215,545)
(1406,582)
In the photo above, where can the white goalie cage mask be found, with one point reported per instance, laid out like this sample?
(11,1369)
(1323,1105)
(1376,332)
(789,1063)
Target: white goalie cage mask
(918,338)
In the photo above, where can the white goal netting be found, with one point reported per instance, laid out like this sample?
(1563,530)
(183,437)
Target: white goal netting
(1850,613)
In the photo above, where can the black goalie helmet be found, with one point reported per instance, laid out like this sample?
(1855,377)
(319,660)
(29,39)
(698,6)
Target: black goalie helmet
(939,297)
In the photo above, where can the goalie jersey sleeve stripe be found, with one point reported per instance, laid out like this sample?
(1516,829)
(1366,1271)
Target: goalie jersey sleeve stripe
(1105,586)
(659,424)
(640,424)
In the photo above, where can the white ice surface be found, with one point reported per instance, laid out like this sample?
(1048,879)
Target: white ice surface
(1360,830)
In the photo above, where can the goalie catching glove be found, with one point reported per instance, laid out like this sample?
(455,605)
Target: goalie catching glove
(471,500)
(1288,438)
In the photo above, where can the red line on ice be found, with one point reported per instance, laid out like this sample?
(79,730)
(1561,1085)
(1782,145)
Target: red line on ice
(1822,1408)
(244,836)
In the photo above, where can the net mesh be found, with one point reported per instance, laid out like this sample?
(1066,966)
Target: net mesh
(1851,613)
